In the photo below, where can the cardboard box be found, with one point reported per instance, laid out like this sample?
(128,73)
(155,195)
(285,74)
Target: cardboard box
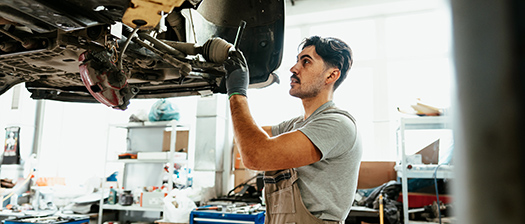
(243,175)
(181,145)
(237,161)
(152,199)
(375,173)
(430,153)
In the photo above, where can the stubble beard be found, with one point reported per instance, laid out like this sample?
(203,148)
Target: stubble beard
(304,92)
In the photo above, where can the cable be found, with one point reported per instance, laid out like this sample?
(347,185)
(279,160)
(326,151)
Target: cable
(19,186)
(121,56)
(437,193)
(240,185)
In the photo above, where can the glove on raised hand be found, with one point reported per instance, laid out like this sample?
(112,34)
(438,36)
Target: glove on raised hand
(237,74)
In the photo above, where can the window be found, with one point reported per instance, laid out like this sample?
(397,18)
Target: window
(401,53)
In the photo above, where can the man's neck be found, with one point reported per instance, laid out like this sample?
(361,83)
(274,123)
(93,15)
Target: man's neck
(311,104)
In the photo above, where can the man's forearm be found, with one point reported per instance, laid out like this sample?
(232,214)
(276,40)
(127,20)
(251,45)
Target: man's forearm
(250,138)
(259,151)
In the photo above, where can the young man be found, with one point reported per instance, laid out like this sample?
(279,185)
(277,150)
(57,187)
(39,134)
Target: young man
(311,162)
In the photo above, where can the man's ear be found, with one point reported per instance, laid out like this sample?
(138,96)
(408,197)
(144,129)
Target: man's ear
(334,75)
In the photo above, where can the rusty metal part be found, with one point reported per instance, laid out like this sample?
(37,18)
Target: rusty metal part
(184,68)
(177,23)
(162,46)
(4,21)
(11,35)
(215,50)
(8,46)
(186,48)
(104,81)
(147,13)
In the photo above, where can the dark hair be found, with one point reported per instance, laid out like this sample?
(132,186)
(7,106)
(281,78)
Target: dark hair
(335,53)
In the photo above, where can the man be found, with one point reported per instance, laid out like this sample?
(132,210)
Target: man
(311,162)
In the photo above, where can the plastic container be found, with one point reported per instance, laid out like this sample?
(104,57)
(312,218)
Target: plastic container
(113,196)
(190,179)
(111,180)
(126,198)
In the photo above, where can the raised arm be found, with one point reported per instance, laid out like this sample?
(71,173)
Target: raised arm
(260,151)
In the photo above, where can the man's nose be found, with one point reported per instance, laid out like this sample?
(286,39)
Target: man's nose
(293,69)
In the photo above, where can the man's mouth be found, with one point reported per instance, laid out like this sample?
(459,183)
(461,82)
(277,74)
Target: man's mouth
(294,79)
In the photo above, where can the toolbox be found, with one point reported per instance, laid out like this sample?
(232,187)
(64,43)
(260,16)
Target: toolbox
(219,217)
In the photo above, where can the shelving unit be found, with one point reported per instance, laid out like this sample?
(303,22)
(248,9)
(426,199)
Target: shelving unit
(130,208)
(145,130)
(418,170)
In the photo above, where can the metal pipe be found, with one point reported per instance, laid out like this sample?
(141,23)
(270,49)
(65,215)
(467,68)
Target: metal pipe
(184,68)
(186,48)
(39,126)
(162,46)
(238,37)
(11,35)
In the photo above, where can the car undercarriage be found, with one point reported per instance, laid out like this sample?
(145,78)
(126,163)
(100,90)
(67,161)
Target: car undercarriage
(113,51)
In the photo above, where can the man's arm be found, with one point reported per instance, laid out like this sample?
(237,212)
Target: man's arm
(268,130)
(260,151)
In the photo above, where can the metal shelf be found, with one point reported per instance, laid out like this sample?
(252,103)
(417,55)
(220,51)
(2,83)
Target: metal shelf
(428,122)
(149,124)
(418,170)
(170,154)
(146,161)
(426,171)
(130,208)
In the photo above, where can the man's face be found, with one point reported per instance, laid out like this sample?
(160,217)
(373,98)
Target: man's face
(308,74)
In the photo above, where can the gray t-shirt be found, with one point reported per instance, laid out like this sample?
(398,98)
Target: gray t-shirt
(328,186)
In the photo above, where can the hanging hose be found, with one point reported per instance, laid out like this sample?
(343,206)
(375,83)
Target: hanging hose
(437,193)
(121,55)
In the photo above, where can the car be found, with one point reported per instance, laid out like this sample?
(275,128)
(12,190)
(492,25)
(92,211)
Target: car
(111,51)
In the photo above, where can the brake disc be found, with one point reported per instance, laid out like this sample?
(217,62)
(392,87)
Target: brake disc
(104,81)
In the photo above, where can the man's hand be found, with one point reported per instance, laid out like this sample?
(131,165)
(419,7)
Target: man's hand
(237,74)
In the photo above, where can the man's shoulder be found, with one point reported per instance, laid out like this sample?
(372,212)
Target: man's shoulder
(338,113)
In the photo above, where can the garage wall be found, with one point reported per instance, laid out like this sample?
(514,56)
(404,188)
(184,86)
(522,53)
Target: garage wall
(76,135)
(17,109)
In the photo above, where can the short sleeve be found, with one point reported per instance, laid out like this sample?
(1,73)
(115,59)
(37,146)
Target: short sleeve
(333,134)
(284,126)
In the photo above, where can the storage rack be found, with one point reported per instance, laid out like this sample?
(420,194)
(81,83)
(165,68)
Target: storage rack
(169,161)
(418,170)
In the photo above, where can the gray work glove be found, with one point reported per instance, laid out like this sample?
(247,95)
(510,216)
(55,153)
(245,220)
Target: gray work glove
(237,74)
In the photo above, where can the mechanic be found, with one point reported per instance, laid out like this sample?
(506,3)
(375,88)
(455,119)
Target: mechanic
(311,162)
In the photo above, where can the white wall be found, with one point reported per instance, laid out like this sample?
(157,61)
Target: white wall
(18,112)
(75,136)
